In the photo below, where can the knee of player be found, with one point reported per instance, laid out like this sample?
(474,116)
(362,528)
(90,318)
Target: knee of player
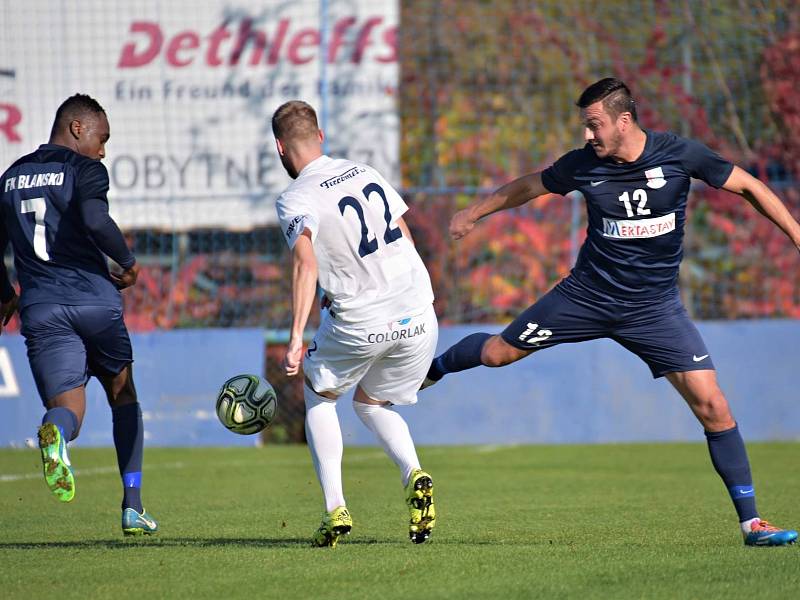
(714,409)
(496,352)
(125,395)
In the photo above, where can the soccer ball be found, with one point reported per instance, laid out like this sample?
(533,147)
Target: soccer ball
(246,404)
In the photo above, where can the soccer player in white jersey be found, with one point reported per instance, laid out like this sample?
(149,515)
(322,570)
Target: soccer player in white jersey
(344,224)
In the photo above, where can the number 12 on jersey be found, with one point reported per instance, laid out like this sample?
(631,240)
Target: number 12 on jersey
(368,246)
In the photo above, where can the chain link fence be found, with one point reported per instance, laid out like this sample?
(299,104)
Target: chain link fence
(486,93)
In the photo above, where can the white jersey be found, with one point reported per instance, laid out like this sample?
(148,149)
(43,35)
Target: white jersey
(366,267)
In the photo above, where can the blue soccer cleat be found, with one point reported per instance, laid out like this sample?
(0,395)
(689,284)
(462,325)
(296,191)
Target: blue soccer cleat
(134,523)
(763,533)
(55,462)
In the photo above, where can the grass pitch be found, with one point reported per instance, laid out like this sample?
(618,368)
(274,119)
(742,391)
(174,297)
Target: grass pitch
(615,521)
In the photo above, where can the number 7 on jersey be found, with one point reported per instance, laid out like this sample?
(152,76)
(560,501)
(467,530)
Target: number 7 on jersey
(38,207)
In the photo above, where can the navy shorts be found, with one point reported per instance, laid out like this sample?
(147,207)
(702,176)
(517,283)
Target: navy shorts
(69,344)
(660,332)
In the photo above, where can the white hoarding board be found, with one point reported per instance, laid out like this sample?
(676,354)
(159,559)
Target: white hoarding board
(189,88)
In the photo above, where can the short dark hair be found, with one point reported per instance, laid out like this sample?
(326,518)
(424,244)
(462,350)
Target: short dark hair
(615,95)
(294,120)
(75,107)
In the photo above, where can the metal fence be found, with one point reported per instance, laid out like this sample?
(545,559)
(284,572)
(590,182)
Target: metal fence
(486,93)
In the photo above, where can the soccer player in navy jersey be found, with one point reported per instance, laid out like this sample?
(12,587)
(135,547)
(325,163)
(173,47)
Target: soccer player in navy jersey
(54,211)
(624,283)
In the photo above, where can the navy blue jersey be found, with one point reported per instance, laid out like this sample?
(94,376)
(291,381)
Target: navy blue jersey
(43,201)
(636,212)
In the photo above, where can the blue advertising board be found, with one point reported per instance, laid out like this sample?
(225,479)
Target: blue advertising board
(177,376)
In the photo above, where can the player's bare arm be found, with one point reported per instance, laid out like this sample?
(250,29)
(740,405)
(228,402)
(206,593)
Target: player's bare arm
(404,228)
(304,287)
(765,201)
(513,194)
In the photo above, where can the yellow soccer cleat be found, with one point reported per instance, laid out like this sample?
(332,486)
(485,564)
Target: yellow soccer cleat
(336,523)
(419,498)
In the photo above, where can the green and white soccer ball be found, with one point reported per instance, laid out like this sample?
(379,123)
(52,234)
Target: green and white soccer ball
(246,404)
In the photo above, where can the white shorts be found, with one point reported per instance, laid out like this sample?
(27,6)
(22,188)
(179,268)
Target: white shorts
(389,361)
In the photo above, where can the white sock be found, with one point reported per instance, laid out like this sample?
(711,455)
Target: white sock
(324,438)
(393,434)
(747,526)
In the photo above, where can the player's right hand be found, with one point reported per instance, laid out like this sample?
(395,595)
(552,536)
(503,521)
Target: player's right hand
(461,224)
(7,310)
(127,278)
(293,358)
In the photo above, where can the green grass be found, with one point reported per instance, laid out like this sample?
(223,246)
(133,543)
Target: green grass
(615,521)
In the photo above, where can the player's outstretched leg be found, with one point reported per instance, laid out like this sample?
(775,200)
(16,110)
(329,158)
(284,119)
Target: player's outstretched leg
(464,354)
(58,426)
(419,498)
(335,524)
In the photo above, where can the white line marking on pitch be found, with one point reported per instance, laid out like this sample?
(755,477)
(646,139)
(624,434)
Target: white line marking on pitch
(92,471)
(489,448)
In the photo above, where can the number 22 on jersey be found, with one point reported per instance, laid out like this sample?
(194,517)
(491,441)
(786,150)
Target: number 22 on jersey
(367,245)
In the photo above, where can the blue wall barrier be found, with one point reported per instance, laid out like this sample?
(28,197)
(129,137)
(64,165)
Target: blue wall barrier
(177,376)
(580,393)
(597,391)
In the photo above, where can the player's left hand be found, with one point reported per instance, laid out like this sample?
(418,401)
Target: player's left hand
(127,278)
(293,358)
(7,310)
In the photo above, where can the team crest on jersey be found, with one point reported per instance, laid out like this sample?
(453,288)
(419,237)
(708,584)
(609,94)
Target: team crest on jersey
(655,178)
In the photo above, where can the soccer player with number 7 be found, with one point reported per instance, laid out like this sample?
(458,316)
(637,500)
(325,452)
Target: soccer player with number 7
(54,210)
(624,283)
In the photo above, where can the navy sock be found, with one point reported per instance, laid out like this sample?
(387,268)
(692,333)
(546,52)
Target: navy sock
(129,442)
(461,356)
(64,419)
(729,457)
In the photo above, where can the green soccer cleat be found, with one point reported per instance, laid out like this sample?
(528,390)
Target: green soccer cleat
(55,461)
(419,498)
(134,523)
(336,523)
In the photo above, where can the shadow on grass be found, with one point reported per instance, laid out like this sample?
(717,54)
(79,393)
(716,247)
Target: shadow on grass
(167,542)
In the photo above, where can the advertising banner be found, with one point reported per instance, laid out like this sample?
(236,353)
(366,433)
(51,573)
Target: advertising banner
(189,88)
(177,374)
